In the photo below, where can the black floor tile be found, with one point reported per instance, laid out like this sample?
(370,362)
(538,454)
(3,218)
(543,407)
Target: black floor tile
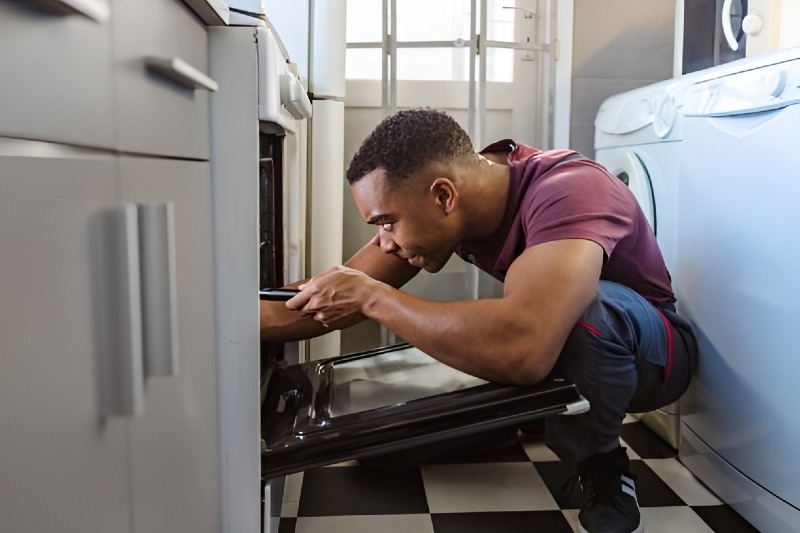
(645,443)
(561,482)
(287,525)
(651,490)
(503,452)
(359,490)
(723,519)
(505,522)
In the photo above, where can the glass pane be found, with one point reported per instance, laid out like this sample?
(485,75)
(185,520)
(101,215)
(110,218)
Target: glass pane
(393,378)
(499,64)
(432,20)
(441,64)
(363,64)
(364,21)
(500,23)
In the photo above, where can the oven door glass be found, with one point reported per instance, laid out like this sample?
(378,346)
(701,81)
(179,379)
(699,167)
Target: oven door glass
(387,400)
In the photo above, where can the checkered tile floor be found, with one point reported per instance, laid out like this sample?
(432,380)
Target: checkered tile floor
(520,488)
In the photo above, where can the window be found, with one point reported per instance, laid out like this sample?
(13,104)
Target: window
(433,39)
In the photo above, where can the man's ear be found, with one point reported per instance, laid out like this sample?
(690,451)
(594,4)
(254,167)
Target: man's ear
(445,194)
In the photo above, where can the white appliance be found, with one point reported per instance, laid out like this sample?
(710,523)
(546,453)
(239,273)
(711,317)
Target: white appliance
(258,120)
(265,99)
(714,32)
(315,35)
(768,25)
(709,33)
(637,138)
(737,262)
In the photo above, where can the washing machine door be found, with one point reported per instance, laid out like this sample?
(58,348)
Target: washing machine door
(629,168)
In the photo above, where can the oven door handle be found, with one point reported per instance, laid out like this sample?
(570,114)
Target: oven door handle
(277,295)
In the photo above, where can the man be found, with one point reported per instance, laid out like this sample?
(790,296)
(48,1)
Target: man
(585,288)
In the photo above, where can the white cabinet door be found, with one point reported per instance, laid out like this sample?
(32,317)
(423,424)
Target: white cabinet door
(63,464)
(174,444)
(160,52)
(55,75)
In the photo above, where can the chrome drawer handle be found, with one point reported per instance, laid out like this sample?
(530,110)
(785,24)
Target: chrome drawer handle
(97,10)
(159,288)
(121,319)
(178,70)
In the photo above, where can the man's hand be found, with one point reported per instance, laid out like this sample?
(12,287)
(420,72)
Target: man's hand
(336,294)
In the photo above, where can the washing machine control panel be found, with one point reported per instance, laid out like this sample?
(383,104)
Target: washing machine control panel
(761,89)
(664,117)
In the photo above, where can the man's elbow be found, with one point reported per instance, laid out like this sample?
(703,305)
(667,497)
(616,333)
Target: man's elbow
(528,368)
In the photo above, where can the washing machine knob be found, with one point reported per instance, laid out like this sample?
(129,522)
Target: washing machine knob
(664,117)
(775,82)
(752,24)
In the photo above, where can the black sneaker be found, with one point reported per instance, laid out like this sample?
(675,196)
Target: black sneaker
(610,504)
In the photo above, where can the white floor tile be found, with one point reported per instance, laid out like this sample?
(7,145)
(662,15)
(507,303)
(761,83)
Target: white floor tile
(485,487)
(630,418)
(672,519)
(291,495)
(682,482)
(538,451)
(294,484)
(417,523)
(572,517)
(289,509)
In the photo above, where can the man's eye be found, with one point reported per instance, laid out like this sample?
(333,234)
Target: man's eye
(387,226)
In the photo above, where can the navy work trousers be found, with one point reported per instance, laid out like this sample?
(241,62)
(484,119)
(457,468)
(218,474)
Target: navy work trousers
(625,356)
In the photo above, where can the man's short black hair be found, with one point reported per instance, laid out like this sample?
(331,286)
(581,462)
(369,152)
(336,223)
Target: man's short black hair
(409,141)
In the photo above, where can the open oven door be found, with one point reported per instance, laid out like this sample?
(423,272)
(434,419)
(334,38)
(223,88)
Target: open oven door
(387,400)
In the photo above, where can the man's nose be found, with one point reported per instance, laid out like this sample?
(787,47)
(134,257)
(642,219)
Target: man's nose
(387,244)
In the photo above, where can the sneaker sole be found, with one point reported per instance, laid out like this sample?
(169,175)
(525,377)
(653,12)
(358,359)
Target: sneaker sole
(639,529)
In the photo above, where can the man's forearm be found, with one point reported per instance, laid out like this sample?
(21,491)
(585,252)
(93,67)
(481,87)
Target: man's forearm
(279,324)
(479,337)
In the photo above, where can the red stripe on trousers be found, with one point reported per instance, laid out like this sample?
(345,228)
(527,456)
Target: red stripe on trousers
(590,328)
(670,345)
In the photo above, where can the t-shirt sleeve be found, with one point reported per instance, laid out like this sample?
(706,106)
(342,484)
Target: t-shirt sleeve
(578,201)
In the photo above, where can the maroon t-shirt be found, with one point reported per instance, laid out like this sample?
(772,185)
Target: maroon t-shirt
(559,194)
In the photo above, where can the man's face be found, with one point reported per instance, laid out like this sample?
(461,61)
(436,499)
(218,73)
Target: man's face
(411,220)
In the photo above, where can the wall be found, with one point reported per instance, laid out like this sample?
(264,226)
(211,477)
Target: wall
(618,45)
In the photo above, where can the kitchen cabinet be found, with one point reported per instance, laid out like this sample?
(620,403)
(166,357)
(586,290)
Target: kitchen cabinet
(109,418)
(55,82)
(162,90)
(173,445)
(63,463)
(67,460)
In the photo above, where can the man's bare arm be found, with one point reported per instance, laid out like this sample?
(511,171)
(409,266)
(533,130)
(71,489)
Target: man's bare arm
(513,339)
(279,324)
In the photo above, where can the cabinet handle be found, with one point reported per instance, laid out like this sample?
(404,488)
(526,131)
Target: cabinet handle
(159,290)
(727,29)
(178,70)
(121,320)
(96,10)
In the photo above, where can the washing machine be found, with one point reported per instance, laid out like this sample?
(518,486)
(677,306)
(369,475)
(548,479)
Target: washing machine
(638,138)
(738,229)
